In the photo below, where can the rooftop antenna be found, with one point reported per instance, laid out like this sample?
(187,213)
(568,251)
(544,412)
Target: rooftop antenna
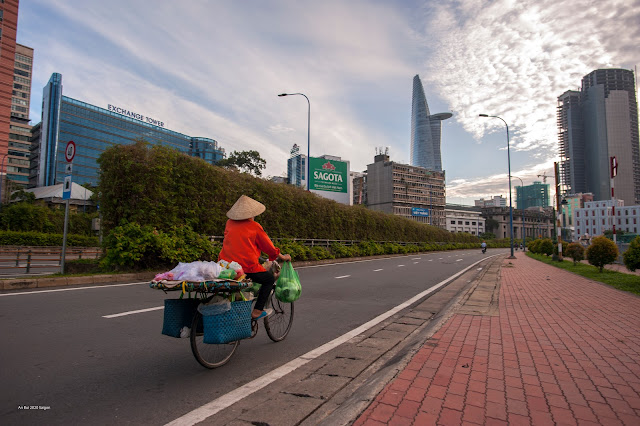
(386,151)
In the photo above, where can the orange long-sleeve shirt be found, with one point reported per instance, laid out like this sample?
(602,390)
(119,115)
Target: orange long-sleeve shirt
(244,240)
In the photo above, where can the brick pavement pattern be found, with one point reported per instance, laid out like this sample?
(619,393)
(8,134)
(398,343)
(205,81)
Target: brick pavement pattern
(563,350)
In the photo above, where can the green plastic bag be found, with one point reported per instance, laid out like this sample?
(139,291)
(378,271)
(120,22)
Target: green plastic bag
(288,286)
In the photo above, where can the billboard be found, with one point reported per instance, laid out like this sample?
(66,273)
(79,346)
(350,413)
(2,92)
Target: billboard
(417,211)
(328,175)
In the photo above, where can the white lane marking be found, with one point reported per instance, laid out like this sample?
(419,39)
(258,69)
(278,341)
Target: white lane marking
(72,289)
(133,312)
(378,270)
(219,404)
(342,276)
(416,258)
(415,262)
(399,266)
(479,269)
(439,258)
(430,260)
(458,260)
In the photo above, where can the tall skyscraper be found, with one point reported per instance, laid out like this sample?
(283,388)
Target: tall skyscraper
(534,195)
(599,122)
(426,131)
(20,130)
(8,30)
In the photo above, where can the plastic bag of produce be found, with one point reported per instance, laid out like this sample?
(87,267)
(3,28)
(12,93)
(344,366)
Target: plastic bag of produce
(288,286)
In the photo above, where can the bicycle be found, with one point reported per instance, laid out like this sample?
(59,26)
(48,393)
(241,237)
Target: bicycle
(213,355)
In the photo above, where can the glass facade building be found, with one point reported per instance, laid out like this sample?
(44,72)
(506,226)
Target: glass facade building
(599,122)
(93,130)
(535,195)
(426,131)
(297,170)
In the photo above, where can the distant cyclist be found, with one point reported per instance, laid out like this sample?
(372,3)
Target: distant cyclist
(484,247)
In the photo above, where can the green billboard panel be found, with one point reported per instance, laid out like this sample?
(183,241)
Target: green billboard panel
(328,175)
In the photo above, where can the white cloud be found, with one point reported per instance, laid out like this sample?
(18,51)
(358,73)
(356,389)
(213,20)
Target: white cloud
(513,59)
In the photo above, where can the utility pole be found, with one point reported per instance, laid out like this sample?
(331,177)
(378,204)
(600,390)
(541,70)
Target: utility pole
(556,169)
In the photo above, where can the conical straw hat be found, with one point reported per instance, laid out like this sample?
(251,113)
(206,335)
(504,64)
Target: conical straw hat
(245,208)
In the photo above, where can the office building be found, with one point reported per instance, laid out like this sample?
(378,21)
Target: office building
(534,195)
(94,129)
(597,217)
(20,130)
(600,122)
(495,201)
(359,181)
(8,31)
(574,202)
(408,191)
(466,219)
(538,222)
(297,168)
(426,131)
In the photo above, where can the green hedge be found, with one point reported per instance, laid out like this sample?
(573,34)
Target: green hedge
(160,187)
(14,238)
(37,217)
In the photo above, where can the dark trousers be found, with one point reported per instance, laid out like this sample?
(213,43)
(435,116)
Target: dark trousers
(266,279)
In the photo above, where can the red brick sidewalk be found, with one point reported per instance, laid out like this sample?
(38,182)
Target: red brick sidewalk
(562,350)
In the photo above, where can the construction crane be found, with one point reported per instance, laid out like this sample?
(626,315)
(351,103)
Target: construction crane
(544,177)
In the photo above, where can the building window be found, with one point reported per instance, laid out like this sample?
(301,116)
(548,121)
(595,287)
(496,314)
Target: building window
(459,222)
(466,222)
(453,222)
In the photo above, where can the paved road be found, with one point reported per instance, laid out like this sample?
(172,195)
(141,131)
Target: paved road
(61,354)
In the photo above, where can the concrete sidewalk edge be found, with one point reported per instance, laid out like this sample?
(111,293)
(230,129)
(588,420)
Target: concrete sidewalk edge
(394,364)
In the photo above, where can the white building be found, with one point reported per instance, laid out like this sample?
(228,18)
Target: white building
(464,219)
(495,201)
(596,217)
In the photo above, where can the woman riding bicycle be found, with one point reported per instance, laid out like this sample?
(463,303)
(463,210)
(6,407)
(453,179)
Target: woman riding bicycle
(244,241)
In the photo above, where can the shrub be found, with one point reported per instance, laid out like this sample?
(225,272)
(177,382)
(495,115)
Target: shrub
(576,252)
(533,246)
(13,238)
(602,251)
(545,246)
(319,253)
(132,246)
(340,250)
(632,255)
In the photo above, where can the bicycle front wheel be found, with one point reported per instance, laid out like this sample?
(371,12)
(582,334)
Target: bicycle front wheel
(279,323)
(209,355)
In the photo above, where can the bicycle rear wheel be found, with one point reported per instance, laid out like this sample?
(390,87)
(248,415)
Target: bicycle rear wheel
(279,323)
(209,355)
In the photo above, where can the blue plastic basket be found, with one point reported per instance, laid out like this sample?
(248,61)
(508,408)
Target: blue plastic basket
(230,326)
(178,313)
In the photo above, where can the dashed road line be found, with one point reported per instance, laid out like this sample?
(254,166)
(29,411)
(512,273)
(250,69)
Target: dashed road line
(133,312)
(378,270)
(342,276)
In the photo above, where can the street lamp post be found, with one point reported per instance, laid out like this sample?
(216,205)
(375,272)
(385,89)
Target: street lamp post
(509,166)
(308,133)
(524,242)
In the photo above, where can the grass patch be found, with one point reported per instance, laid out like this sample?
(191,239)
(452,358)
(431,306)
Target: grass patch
(619,280)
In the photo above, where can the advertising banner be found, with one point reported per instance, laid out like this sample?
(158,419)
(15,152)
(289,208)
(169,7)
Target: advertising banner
(328,175)
(417,211)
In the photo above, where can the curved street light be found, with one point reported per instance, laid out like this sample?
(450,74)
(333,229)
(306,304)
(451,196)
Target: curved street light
(308,133)
(509,165)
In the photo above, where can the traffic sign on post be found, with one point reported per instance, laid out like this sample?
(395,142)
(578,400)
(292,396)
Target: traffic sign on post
(70,151)
(66,188)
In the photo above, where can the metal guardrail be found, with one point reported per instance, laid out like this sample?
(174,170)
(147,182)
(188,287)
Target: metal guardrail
(29,258)
(313,242)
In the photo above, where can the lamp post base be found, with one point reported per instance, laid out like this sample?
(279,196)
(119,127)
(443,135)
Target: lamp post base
(511,257)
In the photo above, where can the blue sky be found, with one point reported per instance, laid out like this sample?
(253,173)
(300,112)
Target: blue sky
(214,69)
